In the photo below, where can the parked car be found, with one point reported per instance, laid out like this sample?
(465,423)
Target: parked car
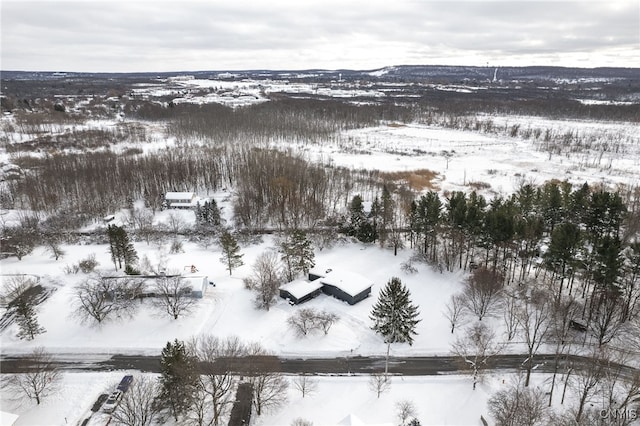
(125,383)
(112,402)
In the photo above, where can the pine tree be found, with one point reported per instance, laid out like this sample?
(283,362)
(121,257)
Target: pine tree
(387,208)
(208,215)
(26,318)
(178,377)
(121,248)
(232,257)
(394,315)
(296,252)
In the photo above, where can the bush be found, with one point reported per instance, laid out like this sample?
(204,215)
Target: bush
(130,270)
(308,319)
(176,247)
(88,264)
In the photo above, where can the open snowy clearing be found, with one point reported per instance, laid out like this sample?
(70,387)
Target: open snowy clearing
(464,158)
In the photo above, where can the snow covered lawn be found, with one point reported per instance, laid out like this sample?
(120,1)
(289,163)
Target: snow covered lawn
(227,308)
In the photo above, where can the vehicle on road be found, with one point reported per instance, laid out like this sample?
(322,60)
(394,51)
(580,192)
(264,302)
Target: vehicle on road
(125,383)
(112,402)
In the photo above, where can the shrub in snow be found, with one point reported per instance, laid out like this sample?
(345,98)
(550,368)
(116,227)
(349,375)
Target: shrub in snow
(88,264)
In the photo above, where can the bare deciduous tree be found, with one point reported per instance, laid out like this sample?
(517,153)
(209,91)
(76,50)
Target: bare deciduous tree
(509,315)
(39,380)
(266,279)
(173,296)
(587,378)
(142,222)
(455,311)
(138,405)
(216,381)
(303,321)
(405,411)
(306,320)
(534,318)
(325,320)
(175,222)
(379,383)
(482,292)
(476,348)
(269,391)
(305,383)
(518,405)
(100,299)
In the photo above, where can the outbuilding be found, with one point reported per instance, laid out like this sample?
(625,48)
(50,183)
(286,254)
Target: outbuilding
(198,285)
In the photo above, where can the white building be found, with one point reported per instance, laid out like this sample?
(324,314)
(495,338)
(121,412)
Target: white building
(180,200)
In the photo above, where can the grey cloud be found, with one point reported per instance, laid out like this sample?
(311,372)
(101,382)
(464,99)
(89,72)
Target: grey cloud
(145,35)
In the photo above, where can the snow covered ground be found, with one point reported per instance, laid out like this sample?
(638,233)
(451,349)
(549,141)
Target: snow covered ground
(462,158)
(227,308)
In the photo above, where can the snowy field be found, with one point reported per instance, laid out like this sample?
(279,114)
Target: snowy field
(438,400)
(462,158)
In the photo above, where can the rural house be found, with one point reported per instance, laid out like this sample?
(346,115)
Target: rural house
(349,287)
(180,200)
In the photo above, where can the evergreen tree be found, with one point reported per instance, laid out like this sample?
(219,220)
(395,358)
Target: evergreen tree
(208,215)
(231,252)
(358,225)
(429,219)
(394,316)
(387,210)
(121,248)
(178,377)
(561,254)
(26,318)
(297,254)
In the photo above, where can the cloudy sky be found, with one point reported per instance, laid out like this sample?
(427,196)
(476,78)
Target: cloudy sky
(146,35)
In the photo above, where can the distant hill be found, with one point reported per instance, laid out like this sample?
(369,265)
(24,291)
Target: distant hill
(400,73)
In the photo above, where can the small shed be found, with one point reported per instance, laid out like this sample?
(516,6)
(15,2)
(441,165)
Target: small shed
(300,291)
(198,285)
(347,286)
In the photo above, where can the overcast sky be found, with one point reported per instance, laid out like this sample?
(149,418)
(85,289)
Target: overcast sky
(145,35)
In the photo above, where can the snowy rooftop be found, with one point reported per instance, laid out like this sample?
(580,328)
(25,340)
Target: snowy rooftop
(7,418)
(349,282)
(300,288)
(179,195)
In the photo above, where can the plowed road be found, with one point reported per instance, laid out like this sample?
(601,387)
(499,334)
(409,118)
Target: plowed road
(408,366)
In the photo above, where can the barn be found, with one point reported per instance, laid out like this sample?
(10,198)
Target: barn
(300,290)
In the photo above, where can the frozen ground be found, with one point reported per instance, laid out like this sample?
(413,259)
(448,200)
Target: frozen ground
(464,158)
(227,308)
(438,400)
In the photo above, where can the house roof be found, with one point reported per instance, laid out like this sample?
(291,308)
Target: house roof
(349,282)
(7,419)
(301,288)
(319,271)
(179,195)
